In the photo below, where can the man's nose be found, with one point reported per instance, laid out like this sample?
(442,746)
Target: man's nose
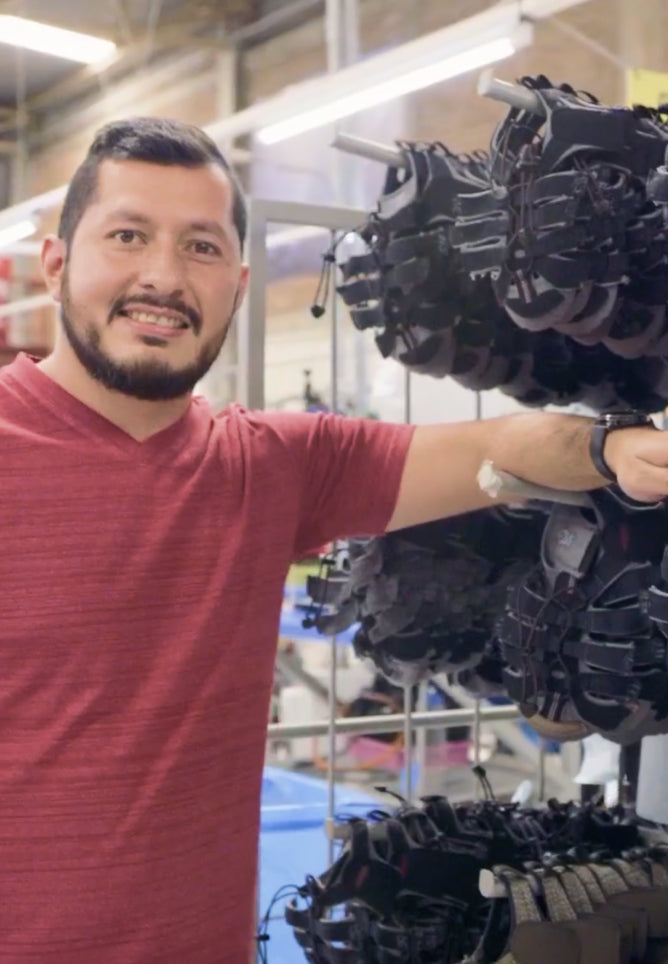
(162,268)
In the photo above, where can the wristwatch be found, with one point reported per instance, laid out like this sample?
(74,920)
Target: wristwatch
(610,422)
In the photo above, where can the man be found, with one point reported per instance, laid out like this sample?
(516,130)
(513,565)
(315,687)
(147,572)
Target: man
(144,548)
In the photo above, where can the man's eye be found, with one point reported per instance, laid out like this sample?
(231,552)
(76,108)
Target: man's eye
(125,236)
(205,247)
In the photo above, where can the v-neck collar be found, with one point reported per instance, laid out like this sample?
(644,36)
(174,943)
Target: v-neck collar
(162,446)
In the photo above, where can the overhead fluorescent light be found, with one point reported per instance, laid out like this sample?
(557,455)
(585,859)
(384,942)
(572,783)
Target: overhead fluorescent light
(16,232)
(45,39)
(380,93)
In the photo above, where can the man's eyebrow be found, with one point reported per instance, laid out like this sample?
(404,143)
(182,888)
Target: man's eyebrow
(213,227)
(124,214)
(210,226)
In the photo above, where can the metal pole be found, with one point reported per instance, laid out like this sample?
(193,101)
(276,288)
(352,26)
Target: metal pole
(341,47)
(495,483)
(408,744)
(421,743)
(331,763)
(251,332)
(512,94)
(331,743)
(476,746)
(372,150)
(392,722)
(542,751)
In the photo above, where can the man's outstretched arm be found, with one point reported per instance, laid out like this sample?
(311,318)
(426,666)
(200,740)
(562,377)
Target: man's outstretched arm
(439,477)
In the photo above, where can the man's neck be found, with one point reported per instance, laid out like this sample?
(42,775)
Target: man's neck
(138,418)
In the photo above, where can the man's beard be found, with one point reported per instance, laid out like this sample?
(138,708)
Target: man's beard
(148,379)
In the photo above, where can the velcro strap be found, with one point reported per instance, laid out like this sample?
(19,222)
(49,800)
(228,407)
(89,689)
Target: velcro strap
(559,213)
(617,585)
(529,602)
(297,917)
(607,685)
(484,258)
(548,187)
(358,264)
(360,291)
(657,604)
(613,657)
(479,230)
(414,245)
(522,686)
(525,636)
(642,230)
(408,274)
(566,272)
(480,203)
(625,622)
(604,268)
(551,242)
(364,317)
(657,185)
(336,930)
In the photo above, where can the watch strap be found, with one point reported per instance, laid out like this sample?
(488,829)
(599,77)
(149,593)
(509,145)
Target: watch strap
(611,422)
(599,433)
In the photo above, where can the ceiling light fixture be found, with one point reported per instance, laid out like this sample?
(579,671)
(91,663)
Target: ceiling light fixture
(45,39)
(385,90)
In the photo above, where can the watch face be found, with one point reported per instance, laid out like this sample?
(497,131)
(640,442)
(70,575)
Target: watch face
(619,419)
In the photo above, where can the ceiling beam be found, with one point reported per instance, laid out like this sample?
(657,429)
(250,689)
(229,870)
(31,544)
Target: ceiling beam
(276,22)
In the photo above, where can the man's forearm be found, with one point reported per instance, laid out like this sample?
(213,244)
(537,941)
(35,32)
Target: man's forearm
(544,448)
(441,469)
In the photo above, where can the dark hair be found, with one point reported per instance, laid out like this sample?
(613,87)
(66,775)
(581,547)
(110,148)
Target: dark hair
(151,139)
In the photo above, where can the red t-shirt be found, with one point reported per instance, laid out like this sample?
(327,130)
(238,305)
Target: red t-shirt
(140,592)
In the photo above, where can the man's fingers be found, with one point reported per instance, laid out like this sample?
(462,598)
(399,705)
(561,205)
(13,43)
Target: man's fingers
(643,481)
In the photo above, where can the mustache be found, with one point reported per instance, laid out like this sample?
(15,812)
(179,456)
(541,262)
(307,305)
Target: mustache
(169,304)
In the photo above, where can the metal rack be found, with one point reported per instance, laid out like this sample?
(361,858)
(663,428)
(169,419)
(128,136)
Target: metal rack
(251,341)
(251,338)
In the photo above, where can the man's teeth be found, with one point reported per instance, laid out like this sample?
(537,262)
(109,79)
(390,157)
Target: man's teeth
(149,318)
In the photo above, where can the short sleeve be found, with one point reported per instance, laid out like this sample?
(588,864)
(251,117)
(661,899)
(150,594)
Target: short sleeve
(348,473)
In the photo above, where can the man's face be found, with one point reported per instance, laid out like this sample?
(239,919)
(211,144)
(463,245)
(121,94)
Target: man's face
(152,277)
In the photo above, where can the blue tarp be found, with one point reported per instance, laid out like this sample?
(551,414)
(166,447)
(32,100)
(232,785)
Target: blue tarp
(293,843)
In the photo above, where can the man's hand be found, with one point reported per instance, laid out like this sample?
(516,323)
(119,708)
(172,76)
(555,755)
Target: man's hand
(639,459)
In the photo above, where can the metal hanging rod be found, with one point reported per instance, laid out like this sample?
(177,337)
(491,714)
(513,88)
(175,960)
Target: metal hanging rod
(393,721)
(372,150)
(488,86)
(512,94)
(494,482)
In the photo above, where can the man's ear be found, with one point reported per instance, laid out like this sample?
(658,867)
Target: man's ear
(53,258)
(241,288)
